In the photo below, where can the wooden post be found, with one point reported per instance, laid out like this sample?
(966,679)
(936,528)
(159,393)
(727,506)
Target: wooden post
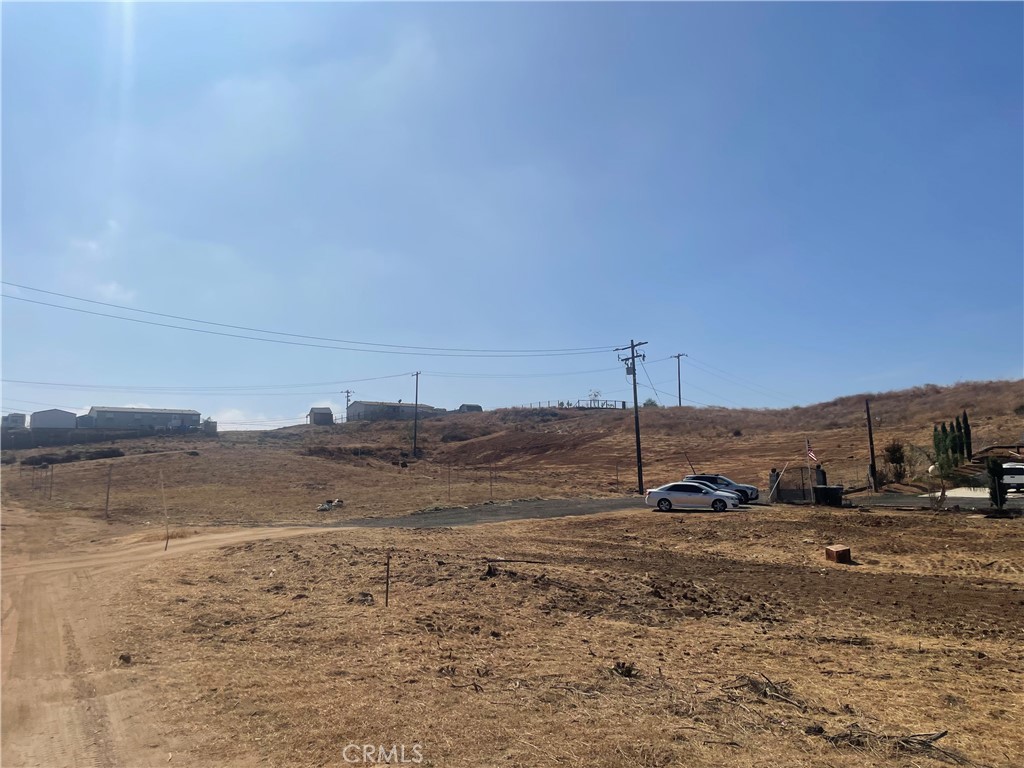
(449,482)
(492,483)
(387,581)
(106,507)
(167,520)
(49,495)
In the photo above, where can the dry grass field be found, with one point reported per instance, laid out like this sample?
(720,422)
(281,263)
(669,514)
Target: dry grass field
(630,638)
(627,639)
(282,475)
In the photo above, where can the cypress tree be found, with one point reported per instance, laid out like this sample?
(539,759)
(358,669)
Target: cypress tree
(996,490)
(936,442)
(945,443)
(960,441)
(968,448)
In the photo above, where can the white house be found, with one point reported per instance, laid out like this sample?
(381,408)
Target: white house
(54,418)
(14,421)
(320,415)
(107,417)
(365,410)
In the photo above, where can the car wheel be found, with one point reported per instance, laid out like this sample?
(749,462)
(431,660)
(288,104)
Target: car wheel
(744,497)
(719,505)
(664,505)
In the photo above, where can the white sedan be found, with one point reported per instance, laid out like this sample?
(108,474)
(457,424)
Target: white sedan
(689,495)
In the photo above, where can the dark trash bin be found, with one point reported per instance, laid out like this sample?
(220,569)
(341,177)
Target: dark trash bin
(828,495)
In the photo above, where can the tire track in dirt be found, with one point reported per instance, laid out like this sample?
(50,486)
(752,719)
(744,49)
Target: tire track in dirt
(47,717)
(61,705)
(84,691)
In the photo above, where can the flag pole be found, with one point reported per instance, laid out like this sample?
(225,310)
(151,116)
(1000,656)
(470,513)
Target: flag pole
(810,481)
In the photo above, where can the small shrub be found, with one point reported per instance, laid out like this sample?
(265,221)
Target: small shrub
(1019,410)
(104,453)
(51,458)
(737,433)
(996,489)
(895,459)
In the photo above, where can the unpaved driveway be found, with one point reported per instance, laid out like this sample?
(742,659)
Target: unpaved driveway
(66,701)
(499,512)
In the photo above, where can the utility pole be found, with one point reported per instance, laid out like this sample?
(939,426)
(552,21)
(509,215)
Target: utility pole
(872,476)
(679,378)
(416,415)
(348,400)
(631,370)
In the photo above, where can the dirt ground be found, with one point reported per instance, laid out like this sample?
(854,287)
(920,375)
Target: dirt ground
(630,638)
(623,638)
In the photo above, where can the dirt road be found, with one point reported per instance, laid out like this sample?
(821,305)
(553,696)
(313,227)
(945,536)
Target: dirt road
(66,699)
(499,512)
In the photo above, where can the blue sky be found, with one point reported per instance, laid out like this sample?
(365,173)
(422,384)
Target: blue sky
(808,200)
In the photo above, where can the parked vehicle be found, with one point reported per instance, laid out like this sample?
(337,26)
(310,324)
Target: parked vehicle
(723,483)
(1013,476)
(715,488)
(684,494)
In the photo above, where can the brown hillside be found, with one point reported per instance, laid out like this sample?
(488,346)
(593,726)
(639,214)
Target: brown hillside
(284,474)
(744,442)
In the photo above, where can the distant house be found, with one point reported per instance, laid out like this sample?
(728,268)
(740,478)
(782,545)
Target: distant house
(470,408)
(85,421)
(111,417)
(365,410)
(14,421)
(54,418)
(320,416)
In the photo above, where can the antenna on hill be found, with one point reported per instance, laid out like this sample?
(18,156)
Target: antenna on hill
(348,400)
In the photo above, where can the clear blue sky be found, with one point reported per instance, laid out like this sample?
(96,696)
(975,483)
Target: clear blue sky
(809,200)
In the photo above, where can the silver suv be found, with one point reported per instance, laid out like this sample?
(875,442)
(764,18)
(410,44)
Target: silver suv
(746,492)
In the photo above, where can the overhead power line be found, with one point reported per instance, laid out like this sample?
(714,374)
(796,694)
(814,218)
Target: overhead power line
(686,400)
(197,388)
(727,376)
(649,380)
(410,349)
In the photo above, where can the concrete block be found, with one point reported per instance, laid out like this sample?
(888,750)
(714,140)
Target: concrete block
(837,553)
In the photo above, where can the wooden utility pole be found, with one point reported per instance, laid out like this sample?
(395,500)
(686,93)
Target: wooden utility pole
(416,416)
(631,370)
(387,581)
(348,400)
(872,475)
(679,377)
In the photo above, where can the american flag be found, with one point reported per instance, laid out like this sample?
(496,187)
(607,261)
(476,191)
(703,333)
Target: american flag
(810,453)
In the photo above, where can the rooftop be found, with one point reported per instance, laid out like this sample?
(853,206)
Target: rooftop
(117,409)
(397,405)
